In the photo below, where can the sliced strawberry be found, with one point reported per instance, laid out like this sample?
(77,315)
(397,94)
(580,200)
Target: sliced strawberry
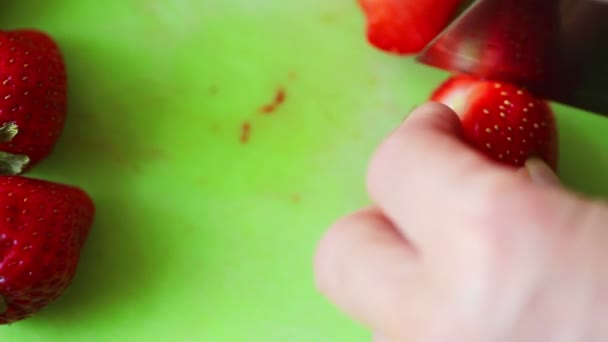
(406,26)
(507,123)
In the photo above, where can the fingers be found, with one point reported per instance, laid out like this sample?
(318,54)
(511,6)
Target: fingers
(424,167)
(365,267)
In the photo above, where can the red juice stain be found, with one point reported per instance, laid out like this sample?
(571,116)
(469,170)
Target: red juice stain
(279,99)
(245,132)
(215,128)
(213,90)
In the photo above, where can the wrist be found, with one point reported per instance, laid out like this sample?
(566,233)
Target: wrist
(593,322)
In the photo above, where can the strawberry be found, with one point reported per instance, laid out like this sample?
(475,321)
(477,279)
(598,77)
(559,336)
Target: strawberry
(43,227)
(406,26)
(32,98)
(507,123)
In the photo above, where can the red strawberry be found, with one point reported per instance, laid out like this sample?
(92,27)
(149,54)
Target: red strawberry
(43,227)
(507,123)
(32,98)
(406,26)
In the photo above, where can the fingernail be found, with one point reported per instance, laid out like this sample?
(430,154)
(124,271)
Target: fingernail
(541,173)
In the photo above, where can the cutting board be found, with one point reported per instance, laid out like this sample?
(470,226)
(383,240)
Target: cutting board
(219,139)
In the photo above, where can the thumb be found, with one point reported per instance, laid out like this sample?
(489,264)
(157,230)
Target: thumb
(540,173)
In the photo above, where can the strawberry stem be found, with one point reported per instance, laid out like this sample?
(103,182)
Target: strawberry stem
(3,305)
(12,164)
(8,131)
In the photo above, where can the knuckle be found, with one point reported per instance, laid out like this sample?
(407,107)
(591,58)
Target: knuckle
(380,163)
(403,150)
(509,212)
(330,254)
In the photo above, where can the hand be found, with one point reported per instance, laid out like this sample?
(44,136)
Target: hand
(458,248)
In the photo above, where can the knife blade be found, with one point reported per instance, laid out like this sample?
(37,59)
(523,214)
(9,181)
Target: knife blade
(556,48)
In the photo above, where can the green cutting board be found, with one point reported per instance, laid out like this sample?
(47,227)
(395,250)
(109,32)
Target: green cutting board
(211,198)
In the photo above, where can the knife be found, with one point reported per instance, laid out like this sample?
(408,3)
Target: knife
(555,48)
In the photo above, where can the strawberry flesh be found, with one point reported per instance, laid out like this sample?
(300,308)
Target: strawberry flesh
(507,123)
(43,227)
(406,26)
